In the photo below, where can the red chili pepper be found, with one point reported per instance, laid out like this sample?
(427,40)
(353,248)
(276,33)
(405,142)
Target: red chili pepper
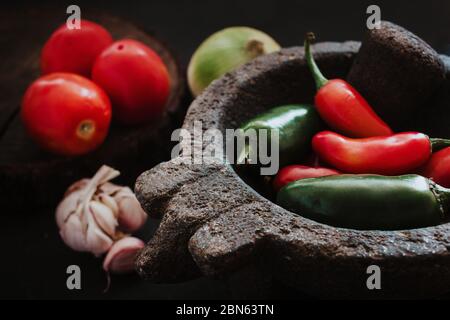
(341,106)
(438,168)
(297,172)
(392,155)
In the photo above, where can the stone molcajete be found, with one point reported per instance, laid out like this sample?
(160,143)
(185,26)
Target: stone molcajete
(215,224)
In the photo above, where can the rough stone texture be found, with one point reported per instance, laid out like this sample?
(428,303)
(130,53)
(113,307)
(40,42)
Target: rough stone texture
(398,73)
(215,224)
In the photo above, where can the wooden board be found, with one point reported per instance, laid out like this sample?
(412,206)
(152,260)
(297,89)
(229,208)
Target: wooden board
(30,176)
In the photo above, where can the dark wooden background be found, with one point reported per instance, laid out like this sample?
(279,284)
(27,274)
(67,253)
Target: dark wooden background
(34,259)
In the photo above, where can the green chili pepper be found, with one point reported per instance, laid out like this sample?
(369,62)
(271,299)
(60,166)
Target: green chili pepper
(297,124)
(368,202)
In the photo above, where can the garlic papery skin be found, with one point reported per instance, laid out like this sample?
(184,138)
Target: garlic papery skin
(73,234)
(120,258)
(224,51)
(92,210)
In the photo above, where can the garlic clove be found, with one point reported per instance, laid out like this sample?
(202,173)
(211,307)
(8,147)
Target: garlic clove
(73,235)
(110,202)
(104,217)
(121,256)
(131,215)
(97,242)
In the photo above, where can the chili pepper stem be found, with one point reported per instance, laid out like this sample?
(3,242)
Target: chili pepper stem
(317,74)
(443,196)
(439,144)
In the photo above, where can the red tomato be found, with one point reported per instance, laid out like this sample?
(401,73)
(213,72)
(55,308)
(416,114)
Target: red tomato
(296,172)
(66,113)
(74,50)
(136,80)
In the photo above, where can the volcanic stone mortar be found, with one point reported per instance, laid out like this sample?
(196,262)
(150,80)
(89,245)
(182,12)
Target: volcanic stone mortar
(213,223)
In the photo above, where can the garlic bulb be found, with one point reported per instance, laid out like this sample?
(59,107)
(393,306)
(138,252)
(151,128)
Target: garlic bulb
(95,213)
(224,51)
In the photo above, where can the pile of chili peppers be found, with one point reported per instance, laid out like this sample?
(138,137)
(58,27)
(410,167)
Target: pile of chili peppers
(370,178)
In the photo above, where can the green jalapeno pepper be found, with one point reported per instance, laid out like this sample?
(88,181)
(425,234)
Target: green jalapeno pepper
(296,124)
(368,202)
